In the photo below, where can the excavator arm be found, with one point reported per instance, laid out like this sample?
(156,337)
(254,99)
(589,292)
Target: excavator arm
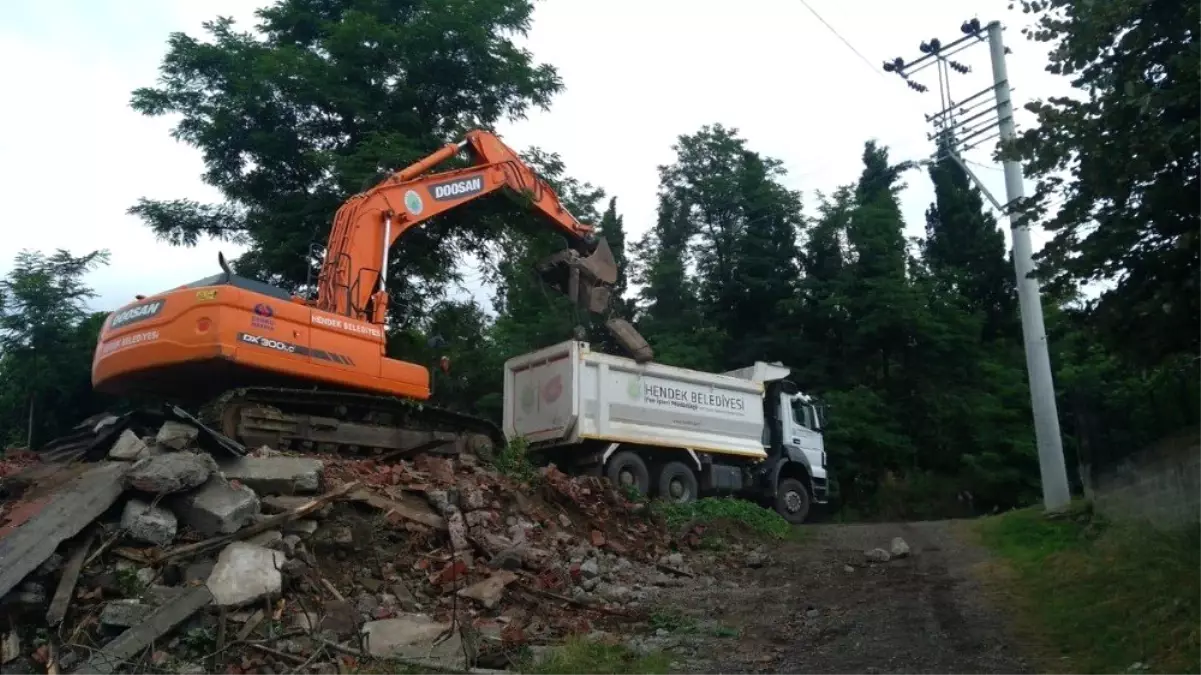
(352,278)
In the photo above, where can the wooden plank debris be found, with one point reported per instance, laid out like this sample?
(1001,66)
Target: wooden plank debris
(66,585)
(72,508)
(412,512)
(125,646)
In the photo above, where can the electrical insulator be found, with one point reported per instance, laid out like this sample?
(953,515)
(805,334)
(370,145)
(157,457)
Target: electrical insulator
(888,67)
(935,45)
(924,47)
(899,64)
(970,27)
(917,86)
(958,67)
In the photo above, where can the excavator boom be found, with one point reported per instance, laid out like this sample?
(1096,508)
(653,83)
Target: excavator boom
(351,282)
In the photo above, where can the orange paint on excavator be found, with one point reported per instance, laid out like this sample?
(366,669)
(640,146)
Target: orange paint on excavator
(198,340)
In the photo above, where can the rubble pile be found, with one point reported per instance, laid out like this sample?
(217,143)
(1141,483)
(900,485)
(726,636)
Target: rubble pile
(173,554)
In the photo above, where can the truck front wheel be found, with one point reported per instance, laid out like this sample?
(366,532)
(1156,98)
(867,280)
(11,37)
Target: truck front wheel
(792,500)
(677,483)
(626,469)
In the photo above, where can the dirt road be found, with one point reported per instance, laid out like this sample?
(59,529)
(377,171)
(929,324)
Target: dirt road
(819,606)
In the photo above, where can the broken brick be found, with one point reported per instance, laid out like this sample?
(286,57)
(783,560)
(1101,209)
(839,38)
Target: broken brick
(598,539)
(452,572)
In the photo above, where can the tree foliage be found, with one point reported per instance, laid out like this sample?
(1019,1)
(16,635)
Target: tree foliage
(1130,145)
(47,336)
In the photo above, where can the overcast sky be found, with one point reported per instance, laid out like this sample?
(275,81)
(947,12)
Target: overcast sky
(637,75)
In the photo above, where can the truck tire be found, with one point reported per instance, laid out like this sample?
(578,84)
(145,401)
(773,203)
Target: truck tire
(626,469)
(677,483)
(792,500)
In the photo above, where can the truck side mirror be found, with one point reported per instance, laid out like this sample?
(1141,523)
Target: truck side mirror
(789,388)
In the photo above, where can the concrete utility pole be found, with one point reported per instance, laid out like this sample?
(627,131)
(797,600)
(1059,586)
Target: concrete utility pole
(956,122)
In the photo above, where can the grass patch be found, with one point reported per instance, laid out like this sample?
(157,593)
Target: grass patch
(678,623)
(728,509)
(673,622)
(580,655)
(513,461)
(1106,597)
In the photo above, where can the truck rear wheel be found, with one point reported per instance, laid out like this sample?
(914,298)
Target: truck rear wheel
(792,500)
(626,469)
(677,483)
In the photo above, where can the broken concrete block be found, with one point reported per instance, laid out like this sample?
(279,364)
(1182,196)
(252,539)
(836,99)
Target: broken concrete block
(10,647)
(172,472)
(412,636)
(245,573)
(457,529)
(278,475)
(489,591)
(124,613)
(217,508)
(148,524)
(128,447)
(898,548)
(176,435)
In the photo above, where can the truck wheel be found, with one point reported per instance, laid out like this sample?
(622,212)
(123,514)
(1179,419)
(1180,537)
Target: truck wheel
(626,469)
(677,483)
(792,500)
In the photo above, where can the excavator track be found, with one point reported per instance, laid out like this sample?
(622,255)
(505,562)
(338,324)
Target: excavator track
(348,423)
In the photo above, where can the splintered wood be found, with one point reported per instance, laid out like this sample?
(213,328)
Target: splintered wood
(125,646)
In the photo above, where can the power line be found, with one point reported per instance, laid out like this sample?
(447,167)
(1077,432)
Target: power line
(844,40)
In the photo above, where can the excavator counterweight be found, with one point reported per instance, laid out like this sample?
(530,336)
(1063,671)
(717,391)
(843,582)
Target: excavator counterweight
(282,370)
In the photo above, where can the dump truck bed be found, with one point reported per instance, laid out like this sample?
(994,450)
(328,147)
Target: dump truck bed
(567,393)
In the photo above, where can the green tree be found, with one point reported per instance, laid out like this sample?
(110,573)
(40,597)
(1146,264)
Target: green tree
(816,314)
(765,261)
(878,294)
(47,338)
(318,102)
(669,311)
(965,249)
(1131,146)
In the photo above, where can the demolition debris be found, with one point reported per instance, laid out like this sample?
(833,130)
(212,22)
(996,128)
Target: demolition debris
(174,549)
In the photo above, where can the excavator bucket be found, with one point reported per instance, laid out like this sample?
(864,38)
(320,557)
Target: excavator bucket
(588,282)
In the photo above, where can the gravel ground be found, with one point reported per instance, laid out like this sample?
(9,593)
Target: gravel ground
(819,606)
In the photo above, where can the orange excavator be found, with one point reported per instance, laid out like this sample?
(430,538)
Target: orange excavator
(267,367)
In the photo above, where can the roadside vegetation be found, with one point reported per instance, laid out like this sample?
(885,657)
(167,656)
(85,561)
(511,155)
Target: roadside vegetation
(1102,597)
(720,511)
(581,655)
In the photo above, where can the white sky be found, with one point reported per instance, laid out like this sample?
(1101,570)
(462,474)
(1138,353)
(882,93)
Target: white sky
(637,75)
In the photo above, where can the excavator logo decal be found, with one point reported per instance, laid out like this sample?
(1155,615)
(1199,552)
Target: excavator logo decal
(454,189)
(413,202)
(289,348)
(136,313)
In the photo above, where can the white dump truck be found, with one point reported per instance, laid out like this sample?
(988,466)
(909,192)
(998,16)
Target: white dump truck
(672,433)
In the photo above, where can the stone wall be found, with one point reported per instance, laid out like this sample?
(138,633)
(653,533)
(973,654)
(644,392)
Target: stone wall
(1160,485)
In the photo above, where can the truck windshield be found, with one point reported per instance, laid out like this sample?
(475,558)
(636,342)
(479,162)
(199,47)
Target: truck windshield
(802,413)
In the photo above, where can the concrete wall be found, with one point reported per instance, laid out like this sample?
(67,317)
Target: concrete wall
(1161,485)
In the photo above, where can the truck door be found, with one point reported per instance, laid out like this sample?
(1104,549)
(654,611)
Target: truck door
(800,431)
